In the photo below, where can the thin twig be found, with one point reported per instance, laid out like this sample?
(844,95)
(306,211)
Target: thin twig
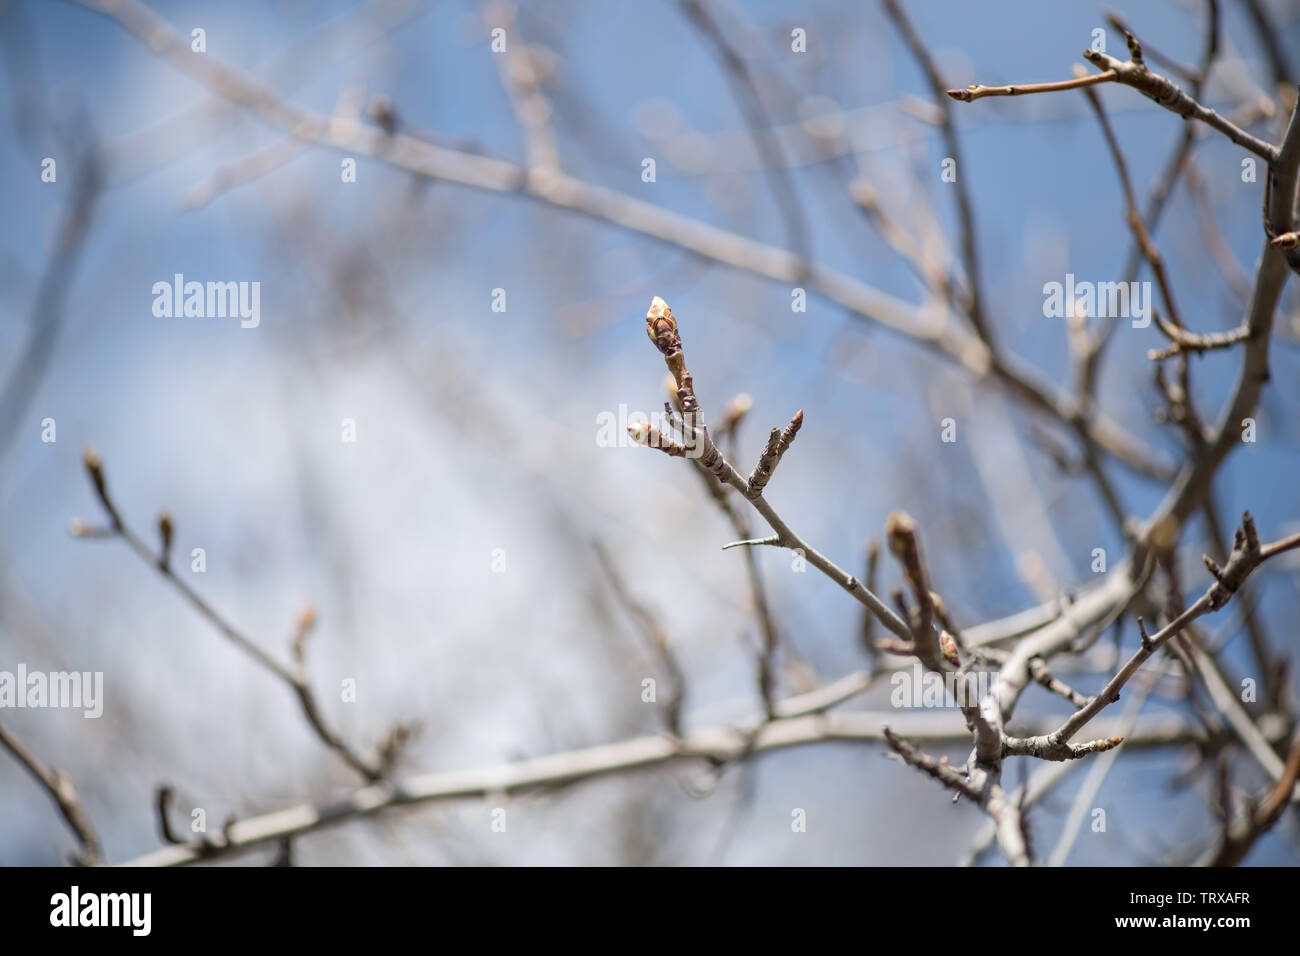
(295,677)
(661,326)
(655,636)
(59,786)
(977,92)
(1247,555)
(952,145)
(562,191)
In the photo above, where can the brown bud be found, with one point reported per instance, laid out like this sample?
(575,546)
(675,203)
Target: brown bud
(900,530)
(381,109)
(792,429)
(306,621)
(1134,48)
(661,326)
(165,535)
(95,467)
(96,470)
(949,648)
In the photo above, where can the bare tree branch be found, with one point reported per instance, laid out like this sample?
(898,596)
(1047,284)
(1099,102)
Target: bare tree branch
(60,787)
(295,677)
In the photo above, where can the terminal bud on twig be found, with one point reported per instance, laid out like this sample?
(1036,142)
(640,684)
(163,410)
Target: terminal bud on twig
(95,468)
(165,537)
(661,326)
(949,648)
(791,429)
(1134,48)
(302,629)
(900,532)
(778,443)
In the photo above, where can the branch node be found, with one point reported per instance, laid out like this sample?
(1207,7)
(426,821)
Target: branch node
(1147,645)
